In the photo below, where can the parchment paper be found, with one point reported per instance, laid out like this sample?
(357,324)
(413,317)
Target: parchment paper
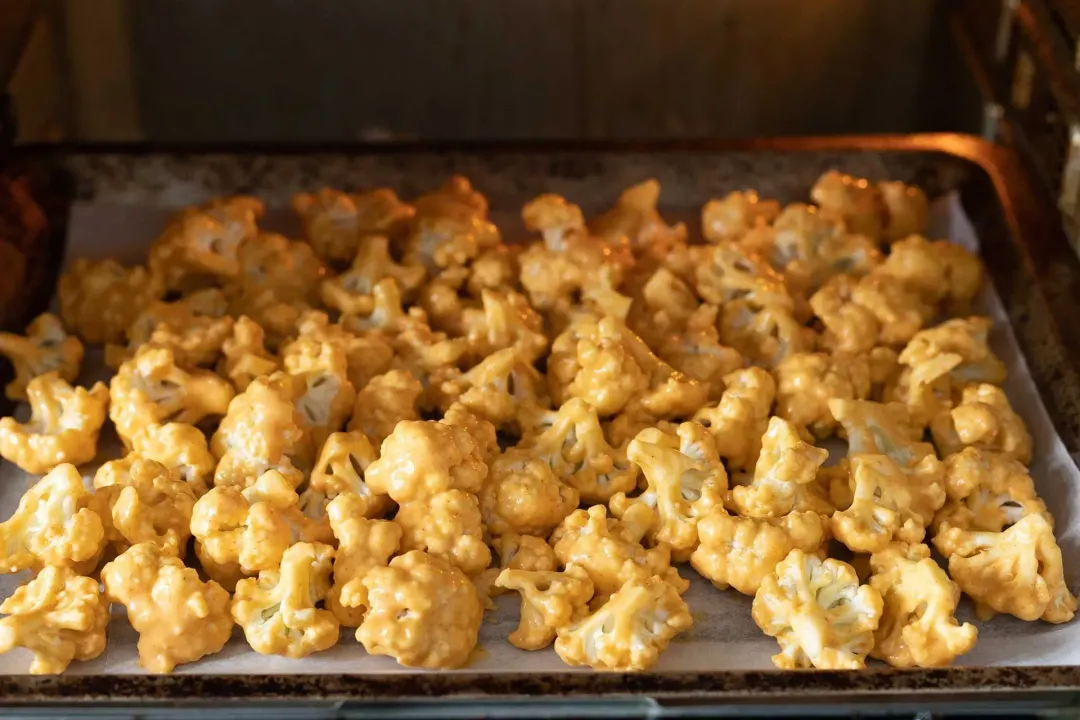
(723,638)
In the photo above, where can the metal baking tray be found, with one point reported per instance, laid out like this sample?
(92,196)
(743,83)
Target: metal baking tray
(1024,249)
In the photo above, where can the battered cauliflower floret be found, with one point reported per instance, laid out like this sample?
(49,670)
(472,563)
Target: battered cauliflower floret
(889,503)
(810,247)
(245,355)
(572,443)
(52,525)
(450,228)
(326,398)
(590,361)
(668,393)
(99,299)
(697,353)
(735,214)
(523,495)
(856,201)
(983,419)
(448,526)
(784,476)
(482,432)
(555,218)
(805,382)
(636,218)
(278,610)
(352,291)
(262,430)
(987,491)
(150,389)
(938,271)
(422,458)
(730,272)
(818,612)
(335,223)
(849,327)
(45,348)
(764,335)
(666,304)
(141,501)
(64,425)
(179,618)
(505,320)
(609,552)
(422,611)
(194,328)
(926,387)
(288,269)
(278,318)
(180,447)
(362,545)
(503,389)
(900,311)
(965,337)
(907,208)
(341,468)
(1017,571)
(384,402)
(549,600)
(685,481)
(918,625)
(880,429)
(741,418)
(59,616)
(367,354)
(738,552)
(629,631)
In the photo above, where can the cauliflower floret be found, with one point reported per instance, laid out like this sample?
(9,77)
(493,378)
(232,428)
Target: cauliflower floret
(52,525)
(341,468)
(59,616)
(277,611)
(666,304)
(45,348)
(987,491)
(925,387)
(629,631)
(610,552)
(506,320)
(918,625)
(482,432)
(740,551)
(983,419)
(180,447)
(668,393)
(179,618)
(335,223)
(194,328)
(937,270)
(818,612)
(784,476)
(287,269)
(448,526)
(880,429)
(503,389)
(99,299)
(764,335)
(450,228)
(351,292)
(245,355)
(741,417)
(731,272)
(367,354)
(423,458)
(685,481)
(1017,571)
(965,337)
(150,389)
(889,502)
(696,351)
(907,208)
(849,327)
(549,600)
(900,312)
(362,545)
(423,612)
(810,247)
(326,397)
(738,212)
(384,402)
(805,382)
(590,361)
(262,430)
(856,201)
(524,495)
(141,501)
(636,218)
(278,318)
(64,425)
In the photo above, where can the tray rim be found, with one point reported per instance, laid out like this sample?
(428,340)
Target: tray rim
(1028,215)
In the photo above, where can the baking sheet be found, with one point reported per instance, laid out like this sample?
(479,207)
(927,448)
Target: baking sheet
(723,637)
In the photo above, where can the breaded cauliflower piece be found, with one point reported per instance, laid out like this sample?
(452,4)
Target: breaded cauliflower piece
(889,502)
(987,491)
(142,501)
(423,612)
(367,354)
(326,398)
(503,389)
(965,337)
(523,495)
(735,214)
(262,430)
(245,355)
(856,201)
(482,432)
(59,616)
(984,419)
(668,392)
(180,447)
(278,610)
(194,328)
(849,327)
(99,299)
(907,207)
(362,545)
(741,418)
(818,612)
(385,401)
(938,271)
(697,353)
(880,429)
(629,631)
(45,348)
(179,618)
(806,382)
(810,247)
(900,311)
(448,526)
(610,552)
(450,228)
(665,305)
(740,551)
(64,425)
(765,335)
(52,525)
(335,223)
(590,360)
(341,468)
(636,218)
(287,269)
(505,320)
(731,272)
(926,387)
(1017,571)
(351,292)
(784,476)
(549,600)
(150,389)
(422,458)
(918,625)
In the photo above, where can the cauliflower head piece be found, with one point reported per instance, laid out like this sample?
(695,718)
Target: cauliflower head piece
(422,458)
(784,476)
(764,334)
(341,468)
(735,214)
(362,545)
(180,447)
(549,600)
(848,326)
(46,347)
(325,398)
(245,356)
(99,299)
(984,419)
(448,526)
(966,337)
(335,223)
(636,218)
(504,320)
(502,389)
(352,291)
(987,491)
(385,401)
(806,382)
(880,429)
(523,495)
(741,418)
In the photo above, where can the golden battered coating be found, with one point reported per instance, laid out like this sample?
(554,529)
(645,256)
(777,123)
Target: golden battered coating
(46,347)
